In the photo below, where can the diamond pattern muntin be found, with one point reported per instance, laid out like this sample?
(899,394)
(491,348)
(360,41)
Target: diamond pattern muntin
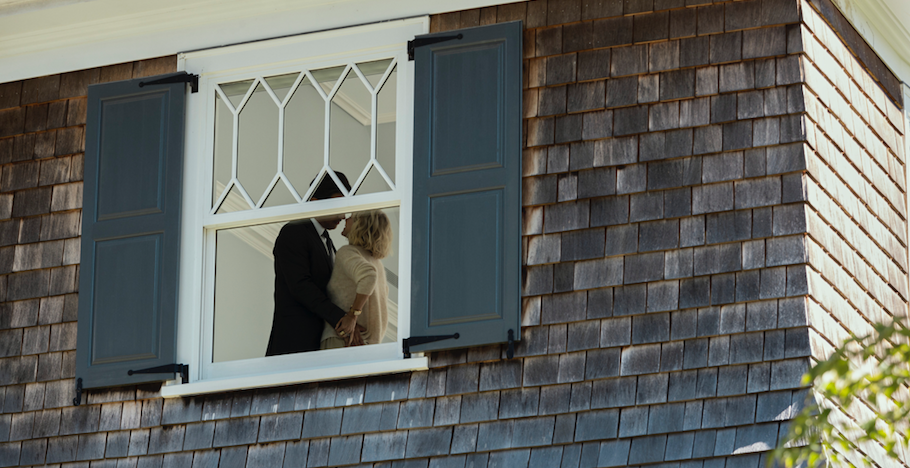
(277,136)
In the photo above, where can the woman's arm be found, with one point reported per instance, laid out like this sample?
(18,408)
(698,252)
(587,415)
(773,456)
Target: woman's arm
(355,339)
(364,275)
(360,301)
(360,270)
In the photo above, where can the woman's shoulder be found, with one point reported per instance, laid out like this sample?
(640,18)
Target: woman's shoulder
(352,250)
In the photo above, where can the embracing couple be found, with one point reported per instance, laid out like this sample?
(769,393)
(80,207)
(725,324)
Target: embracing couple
(326,298)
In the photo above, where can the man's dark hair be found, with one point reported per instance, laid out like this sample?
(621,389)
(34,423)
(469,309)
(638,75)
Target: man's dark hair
(327,187)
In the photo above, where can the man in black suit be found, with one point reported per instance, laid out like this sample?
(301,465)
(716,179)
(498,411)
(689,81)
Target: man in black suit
(303,265)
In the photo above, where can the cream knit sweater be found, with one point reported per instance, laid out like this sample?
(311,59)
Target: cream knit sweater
(356,271)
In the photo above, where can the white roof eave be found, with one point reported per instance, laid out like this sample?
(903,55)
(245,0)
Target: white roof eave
(43,37)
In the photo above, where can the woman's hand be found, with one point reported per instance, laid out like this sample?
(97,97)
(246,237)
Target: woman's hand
(345,327)
(356,338)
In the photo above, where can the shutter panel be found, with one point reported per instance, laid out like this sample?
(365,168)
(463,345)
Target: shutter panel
(466,258)
(130,231)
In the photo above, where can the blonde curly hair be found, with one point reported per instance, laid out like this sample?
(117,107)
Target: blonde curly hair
(371,230)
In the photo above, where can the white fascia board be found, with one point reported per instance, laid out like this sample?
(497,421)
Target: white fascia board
(69,35)
(883,24)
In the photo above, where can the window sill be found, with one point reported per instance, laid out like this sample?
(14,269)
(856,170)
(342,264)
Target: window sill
(295,377)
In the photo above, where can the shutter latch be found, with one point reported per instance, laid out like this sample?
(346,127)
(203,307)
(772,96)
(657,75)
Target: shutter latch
(510,352)
(78,400)
(422,41)
(182,369)
(419,340)
(193,80)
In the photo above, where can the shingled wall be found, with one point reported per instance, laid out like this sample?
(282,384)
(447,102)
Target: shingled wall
(856,188)
(664,196)
(689,234)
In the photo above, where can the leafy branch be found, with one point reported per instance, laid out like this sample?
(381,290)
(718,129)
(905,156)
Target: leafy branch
(861,400)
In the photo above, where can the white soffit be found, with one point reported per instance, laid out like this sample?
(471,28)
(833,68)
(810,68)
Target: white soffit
(43,37)
(883,24)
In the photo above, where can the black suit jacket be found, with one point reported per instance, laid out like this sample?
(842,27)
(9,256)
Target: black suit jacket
(302,271)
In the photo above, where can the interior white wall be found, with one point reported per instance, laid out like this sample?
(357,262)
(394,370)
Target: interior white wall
(244,302)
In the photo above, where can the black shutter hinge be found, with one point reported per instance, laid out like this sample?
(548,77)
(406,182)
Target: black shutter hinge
(510,351)
(193,80)
(78,400)
(422,41)
(182,369)
(419,340)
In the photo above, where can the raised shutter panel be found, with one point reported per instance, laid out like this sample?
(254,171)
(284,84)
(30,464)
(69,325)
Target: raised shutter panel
(130,232)
(466,257)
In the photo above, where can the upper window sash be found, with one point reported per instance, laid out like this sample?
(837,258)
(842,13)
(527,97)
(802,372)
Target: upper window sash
(277,136)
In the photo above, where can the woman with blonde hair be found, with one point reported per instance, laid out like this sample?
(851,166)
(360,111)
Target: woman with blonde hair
(358,282)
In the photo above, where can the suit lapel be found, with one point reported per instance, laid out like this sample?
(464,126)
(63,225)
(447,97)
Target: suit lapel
(316,241)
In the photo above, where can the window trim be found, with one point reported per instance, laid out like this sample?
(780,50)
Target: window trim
(172,389)
(193,334)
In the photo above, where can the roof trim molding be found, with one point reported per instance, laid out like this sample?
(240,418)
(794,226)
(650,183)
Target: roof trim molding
(882,28)
(14,7)
(44,37)
(860,47)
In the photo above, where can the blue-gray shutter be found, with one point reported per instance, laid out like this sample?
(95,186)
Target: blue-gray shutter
(130,231)
(466,254)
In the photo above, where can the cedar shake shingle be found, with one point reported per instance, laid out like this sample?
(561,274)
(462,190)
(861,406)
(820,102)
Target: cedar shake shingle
(612,32)
(156,66)
(199,435)
(76,112)
(710,19)
(36,118)
(10,94)
(653,27)
(637,6)
(742,15)
(12,121)
(70,140)
(601,9)
(726,47)
(42,89)
(76,84)
(683,22)
(563,11)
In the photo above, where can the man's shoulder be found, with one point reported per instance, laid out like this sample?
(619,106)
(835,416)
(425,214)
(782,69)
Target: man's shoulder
(297,226)
(296,231)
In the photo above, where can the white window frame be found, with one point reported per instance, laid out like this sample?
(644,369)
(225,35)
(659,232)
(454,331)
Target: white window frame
(195,316)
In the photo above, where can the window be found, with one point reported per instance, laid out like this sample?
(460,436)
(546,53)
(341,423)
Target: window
(434,143)
(273,120)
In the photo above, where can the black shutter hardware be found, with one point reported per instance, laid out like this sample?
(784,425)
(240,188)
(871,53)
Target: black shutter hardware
(182,369)
(419,340)
(422,41)
(193,80)
(78,400)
